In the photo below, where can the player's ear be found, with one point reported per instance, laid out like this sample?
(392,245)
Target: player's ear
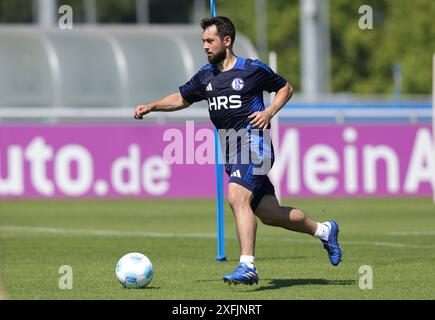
(228,41)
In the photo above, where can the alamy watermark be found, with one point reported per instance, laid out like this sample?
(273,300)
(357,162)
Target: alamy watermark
(244,146)
(66,280)
(65,21)
(366,280)
(366,20)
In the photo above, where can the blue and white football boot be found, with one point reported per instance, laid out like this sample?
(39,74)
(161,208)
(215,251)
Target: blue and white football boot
(331,245)
(242,274)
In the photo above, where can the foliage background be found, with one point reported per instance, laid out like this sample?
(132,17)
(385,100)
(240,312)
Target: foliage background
(361,60)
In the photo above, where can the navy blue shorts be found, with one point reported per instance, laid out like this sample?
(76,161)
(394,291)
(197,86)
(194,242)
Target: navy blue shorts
(243,175)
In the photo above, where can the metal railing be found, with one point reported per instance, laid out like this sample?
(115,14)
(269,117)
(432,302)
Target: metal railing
(296,112)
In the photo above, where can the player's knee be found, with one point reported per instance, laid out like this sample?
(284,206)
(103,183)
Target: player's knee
(297,215)
(236,202)
(269,220)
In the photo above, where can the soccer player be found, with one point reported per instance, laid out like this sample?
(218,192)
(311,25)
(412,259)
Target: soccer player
(234,89)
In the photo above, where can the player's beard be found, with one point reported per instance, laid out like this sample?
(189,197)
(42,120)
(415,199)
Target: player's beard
(218,57)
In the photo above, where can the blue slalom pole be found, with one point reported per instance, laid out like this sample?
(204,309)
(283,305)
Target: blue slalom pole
(219,199)
(213,8)
(219,181)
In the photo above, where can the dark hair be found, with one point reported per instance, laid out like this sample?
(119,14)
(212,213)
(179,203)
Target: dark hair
(225,27)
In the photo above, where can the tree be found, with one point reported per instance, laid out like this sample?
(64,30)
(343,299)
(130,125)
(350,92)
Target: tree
(17,11)
(361,60)
(283,30)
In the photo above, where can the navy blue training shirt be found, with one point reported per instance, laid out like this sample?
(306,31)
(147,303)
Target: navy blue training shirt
(235,94)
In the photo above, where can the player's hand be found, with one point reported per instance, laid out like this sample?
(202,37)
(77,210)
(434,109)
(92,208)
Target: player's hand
(260,119)
(142,110)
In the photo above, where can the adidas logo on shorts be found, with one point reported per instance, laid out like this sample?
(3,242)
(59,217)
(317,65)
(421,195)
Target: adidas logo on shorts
(236,174)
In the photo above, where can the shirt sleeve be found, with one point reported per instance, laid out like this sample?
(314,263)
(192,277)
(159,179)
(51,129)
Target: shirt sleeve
(267,79)
(192,91)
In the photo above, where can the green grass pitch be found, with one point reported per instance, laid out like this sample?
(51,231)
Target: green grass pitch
(395,237)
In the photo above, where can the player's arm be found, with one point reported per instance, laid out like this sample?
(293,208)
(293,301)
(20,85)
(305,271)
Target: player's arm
(282,96)
(261,119)
(173,102)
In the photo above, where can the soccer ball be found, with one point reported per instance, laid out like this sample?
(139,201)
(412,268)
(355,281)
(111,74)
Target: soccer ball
(134,270)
